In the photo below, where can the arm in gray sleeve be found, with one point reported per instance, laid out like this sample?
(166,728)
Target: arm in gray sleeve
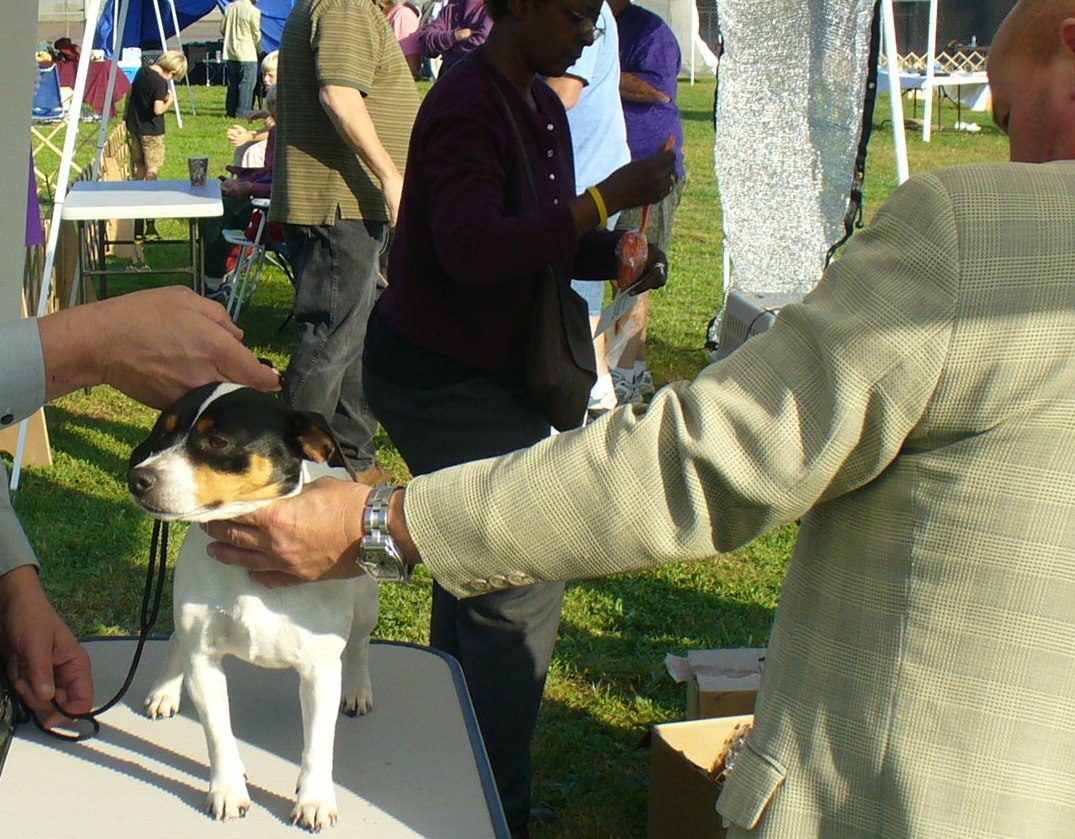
(22,373)
(15,548)
(22,391)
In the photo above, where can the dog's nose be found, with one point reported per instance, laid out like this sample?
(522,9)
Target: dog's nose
(141,480)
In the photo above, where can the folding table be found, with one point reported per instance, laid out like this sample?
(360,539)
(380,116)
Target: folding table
(414,766)
(95,202)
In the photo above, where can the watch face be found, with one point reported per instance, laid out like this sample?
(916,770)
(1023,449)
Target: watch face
(387,571)
(383,562)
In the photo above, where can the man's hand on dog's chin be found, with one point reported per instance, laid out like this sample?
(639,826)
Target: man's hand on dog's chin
(42,658)
(311,536)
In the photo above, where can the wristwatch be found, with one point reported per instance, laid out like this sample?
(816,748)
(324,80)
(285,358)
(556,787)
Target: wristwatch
(378,553)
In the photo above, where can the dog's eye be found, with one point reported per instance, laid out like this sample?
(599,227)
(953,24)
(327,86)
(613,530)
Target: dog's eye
(216,441)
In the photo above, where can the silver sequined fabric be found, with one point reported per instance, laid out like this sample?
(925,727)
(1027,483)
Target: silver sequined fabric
(792,81)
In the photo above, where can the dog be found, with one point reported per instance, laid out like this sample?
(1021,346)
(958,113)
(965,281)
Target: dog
(221,451)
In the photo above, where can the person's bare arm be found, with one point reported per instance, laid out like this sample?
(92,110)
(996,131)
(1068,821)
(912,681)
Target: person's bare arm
(346,108)
(635,89)
(161,106)
(568,88)
(161,343)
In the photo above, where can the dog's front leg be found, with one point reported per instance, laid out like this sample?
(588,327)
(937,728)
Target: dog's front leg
(208,688)
(163,698)
(321,687)
(357,691)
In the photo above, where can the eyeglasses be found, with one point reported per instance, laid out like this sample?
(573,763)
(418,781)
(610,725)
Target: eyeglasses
(588,30)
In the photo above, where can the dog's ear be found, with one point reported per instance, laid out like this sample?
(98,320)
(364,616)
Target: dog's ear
(317,442)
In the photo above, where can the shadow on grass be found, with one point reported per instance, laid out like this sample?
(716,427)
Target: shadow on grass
(591,754)
(93,563)
(75,434)
(616,632)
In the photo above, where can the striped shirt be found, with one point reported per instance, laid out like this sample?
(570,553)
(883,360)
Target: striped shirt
(318,177)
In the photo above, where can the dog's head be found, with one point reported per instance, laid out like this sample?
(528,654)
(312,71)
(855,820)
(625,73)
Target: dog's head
(224,450)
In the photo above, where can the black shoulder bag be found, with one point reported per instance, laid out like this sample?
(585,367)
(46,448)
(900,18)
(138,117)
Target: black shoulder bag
(560,365)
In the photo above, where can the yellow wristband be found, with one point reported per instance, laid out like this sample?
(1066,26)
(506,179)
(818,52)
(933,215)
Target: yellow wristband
(599,201)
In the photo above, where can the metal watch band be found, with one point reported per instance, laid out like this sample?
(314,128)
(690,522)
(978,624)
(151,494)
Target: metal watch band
(378,554)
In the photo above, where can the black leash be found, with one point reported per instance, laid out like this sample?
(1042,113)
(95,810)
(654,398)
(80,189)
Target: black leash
(853,217)
(156,573)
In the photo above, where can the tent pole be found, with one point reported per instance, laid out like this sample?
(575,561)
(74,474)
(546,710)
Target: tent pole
(119,13)
(164,44)
(74,111)
(696,27)
(931,60)
(179,43)
(895,90)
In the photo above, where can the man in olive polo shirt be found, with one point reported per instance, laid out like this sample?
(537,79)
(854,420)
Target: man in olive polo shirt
(346,102)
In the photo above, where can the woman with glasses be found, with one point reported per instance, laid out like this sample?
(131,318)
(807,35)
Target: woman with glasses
(444,355)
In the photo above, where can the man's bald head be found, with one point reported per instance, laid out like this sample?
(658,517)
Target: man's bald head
(1032,77)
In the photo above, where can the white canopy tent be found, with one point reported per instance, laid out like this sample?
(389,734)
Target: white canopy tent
(888,21)
(682,17)
(895,81)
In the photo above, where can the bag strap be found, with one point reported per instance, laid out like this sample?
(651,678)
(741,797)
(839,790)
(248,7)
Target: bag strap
(514,126)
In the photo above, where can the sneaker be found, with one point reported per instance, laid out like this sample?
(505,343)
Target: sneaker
(644,382)
(628,393)
(221,294)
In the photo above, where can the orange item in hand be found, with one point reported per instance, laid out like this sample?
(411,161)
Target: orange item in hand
(632,250)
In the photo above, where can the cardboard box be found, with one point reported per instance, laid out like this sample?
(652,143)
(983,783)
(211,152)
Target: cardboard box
(720,683)
(682,794)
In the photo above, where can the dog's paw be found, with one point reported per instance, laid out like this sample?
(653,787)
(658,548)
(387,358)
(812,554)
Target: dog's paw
(227,801)
(313,815)
(357,701)
(161,704)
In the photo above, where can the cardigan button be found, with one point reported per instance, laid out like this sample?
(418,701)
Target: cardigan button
(7,419)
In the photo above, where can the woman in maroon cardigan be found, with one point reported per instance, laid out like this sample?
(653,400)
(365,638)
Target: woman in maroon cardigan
(444,355)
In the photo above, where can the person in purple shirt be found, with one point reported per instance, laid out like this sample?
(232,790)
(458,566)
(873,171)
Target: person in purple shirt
(444,360)
(461,27)
(649,72)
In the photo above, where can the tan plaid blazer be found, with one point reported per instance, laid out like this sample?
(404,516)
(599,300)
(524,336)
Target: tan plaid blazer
(917,412)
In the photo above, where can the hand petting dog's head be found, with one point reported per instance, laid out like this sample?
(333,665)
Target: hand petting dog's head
(224,450)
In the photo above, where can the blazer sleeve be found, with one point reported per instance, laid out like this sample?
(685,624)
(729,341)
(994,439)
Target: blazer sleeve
(814,408)
(22,391)
(15,548)
(22,373)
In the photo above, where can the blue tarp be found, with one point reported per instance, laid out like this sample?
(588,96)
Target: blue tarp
(141,28)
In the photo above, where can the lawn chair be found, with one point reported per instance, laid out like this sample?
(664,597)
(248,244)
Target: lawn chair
(48,121)
(48,117)
(253,253)
(48,102)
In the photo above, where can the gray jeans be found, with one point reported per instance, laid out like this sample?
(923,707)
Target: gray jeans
(336,269)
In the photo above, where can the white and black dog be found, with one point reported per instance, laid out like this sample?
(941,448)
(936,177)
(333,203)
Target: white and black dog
(219,452)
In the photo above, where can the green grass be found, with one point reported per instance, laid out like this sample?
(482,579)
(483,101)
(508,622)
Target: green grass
(607,685)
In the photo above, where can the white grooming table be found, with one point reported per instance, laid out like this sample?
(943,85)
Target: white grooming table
(415,766)
(92,203)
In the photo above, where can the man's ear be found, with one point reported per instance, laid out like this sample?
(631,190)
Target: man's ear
(1067,35)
